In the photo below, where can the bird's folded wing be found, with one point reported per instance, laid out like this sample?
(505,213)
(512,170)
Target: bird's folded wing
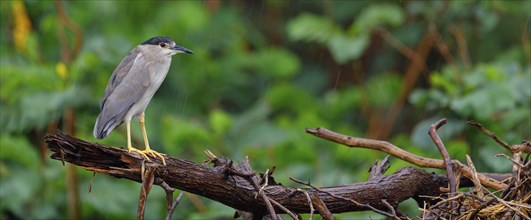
(125,88)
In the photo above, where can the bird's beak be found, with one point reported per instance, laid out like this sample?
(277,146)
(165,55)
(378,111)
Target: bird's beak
(180,49)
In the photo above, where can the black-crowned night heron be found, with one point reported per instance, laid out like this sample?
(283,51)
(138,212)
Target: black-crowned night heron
(131,87)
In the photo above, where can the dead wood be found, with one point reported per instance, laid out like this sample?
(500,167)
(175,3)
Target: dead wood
(493,181)
(235,184)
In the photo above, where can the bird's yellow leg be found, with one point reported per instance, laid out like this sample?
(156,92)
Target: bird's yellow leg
(146,142)
(130,148)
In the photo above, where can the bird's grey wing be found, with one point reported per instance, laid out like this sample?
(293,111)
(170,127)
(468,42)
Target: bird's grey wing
(126,86)
(119,73)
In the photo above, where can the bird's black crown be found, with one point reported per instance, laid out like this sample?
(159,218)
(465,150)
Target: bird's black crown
(158,40)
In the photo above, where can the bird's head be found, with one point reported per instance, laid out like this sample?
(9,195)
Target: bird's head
(166,46)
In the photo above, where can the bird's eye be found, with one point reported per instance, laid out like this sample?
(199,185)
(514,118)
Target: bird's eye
(162,44)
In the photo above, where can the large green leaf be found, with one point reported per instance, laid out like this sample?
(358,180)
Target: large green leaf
(377,15)
(346,48)
(311,28)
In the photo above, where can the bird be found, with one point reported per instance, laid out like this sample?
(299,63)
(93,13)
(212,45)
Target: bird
(131,87)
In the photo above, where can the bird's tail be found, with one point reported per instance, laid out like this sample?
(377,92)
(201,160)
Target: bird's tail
(103,128)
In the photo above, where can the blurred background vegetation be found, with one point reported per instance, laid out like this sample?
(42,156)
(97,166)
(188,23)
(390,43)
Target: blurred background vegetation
(262,72)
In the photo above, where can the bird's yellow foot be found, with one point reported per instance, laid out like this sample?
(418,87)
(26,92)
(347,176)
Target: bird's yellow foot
(147,151)
(155,154)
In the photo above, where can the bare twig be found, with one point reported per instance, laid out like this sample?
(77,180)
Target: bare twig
(230,170)
(516,165)
(344,198)
(446,157)
(484,180)
(265,179)
(395,151)
(511,159)
(148,178)
(287,211)
(517,169)
(508,205)
(516,150)
(210,154)
(470,195)
(91,181)
(391,208)
(475,178)
(270,208)
(170,203)
(169,191)
(174,205)
(446,200)
(458,173)
(490,134)
(253,180)
(62,153)
(378,145)
(424,210)
(309,202)
(378,169)
(321,207)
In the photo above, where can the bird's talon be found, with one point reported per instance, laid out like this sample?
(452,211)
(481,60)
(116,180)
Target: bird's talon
(157,154)
(142,153)
(147,153)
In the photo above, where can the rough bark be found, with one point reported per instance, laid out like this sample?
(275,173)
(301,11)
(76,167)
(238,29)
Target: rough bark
(232,184)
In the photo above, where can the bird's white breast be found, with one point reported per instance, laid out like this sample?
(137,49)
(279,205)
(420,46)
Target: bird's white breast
(157,73)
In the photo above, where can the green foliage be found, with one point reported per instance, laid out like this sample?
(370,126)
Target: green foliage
(383,89)
(378,15)
(274,63)
(219,121)
(19,150)
(312,28)
(259,75)
(22,178)
(349,44)
(481,93)
(498,93)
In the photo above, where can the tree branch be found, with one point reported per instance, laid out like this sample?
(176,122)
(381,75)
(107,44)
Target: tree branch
(229,183)
(489,180)
(446,157)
